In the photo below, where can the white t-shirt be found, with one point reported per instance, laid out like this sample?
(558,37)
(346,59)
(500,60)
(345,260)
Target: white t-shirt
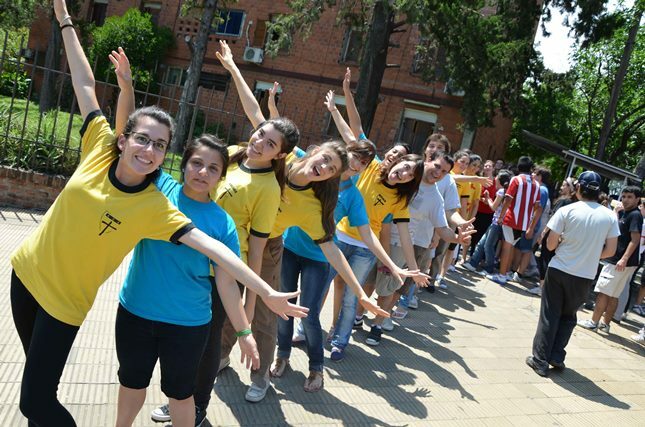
(448,189)
(584,226)
(426,213)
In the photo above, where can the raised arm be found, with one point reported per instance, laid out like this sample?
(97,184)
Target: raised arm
(125,105)
(229,293)
(273,107)
(341,124)
(249,103)
(352,113)
(82,77)
(218,252)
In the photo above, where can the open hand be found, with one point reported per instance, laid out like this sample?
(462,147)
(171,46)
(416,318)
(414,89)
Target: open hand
(278,302)
(250,356)
(330,102)
(225,56)
(121,68)
(274,90)
(372,307)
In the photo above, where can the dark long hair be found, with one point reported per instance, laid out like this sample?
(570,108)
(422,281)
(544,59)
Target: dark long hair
(326,191)
(290,138)
(209,141)
(405,190)
(364,149)
(155,113)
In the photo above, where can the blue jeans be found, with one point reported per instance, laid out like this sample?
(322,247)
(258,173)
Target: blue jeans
(361,260)
(314,278)
(486,248)
(404,301)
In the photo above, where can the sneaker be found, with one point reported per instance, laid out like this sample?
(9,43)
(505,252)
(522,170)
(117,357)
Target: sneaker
(161,414)
(388,324)
(604,327)
(255,393)
(639,309)
(223,364)
(497,278)
(468,266)
(298,336)
(200,416)
(358,322)
(374,337)
(516,277)
(557,365)
(430,288)
(330,335)
(536,291)
(414,302)
(588,324)
(639,338)
(337,354)
(451,268)
(589,305)
(538,370)
(442,284)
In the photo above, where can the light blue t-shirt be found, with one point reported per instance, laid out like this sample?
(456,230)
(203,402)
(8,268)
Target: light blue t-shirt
(350,204)
(170,283)
(544,198)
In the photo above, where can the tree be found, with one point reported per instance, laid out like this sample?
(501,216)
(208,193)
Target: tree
(16,14)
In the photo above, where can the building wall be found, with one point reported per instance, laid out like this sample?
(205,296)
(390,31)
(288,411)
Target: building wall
(28,189)
(306,73)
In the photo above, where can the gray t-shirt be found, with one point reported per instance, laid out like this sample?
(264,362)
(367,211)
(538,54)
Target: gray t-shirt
(584,226)
(426,213)
(448,189)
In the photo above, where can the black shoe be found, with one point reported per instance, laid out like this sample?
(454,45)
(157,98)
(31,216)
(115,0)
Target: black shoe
(374,337)
(430,288)
(538,370)
(358,323)
(200,416)
(557,365)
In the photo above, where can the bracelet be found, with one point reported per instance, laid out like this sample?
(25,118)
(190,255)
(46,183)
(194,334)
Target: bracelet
(243,333)
(62,27)
(65,21)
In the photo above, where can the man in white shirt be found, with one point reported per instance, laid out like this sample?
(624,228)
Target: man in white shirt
(581,234)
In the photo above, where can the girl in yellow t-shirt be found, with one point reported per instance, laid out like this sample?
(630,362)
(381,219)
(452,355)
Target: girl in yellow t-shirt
(107,207)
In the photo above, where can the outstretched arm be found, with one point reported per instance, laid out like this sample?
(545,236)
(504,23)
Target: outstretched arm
(229,293)
(219,253)
(273,107)
(352,112)
(82,77)
(249,103)
(341,124)
(125,105)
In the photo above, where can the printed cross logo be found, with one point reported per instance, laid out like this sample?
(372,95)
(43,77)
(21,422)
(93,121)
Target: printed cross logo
(229,190)
(380,200)
(108,223)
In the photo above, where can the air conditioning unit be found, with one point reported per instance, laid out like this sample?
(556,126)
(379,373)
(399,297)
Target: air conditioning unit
(253,54)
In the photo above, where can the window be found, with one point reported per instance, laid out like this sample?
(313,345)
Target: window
(175,76)
(214,81)
(153,9)
(231,23)
(452,89)
(416,126)
(261,93)
(352,44)
(97,11)
(260,33)
(330,129)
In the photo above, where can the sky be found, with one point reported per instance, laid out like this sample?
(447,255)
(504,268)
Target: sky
(556,48)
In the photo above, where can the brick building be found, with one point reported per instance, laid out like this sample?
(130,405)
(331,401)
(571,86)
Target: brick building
(408,109)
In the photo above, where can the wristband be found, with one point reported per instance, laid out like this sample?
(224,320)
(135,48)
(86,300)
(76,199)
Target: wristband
(65,21)
(243,333)
(62,27)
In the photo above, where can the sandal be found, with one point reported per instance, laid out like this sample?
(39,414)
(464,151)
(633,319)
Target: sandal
(315,382)
(399,313)
(279,367)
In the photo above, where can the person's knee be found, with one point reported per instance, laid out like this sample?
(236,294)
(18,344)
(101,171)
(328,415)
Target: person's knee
(36,400)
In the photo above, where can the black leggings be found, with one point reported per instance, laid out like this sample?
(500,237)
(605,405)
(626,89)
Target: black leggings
(208,366)
(47,343)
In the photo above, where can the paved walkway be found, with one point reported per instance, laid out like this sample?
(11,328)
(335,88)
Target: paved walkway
(457,360)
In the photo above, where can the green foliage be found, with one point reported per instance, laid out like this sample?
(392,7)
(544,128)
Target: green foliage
(14,83)
(15,14)
(143,42)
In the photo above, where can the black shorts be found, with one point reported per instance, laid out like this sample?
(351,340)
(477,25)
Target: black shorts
(140,342)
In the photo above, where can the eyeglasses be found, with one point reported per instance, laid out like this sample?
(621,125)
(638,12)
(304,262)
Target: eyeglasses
(143,140)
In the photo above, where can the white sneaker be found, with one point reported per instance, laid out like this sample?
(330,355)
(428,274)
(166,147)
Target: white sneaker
(639,338)
(536,291)
(255,393)
(468,266)
(414,302)
(161,414)
(388,324)
(604,327)
(298,336)
(500,279)
(588,324)
(516,277)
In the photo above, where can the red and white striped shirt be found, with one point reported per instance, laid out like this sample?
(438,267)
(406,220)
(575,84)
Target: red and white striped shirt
(525,193)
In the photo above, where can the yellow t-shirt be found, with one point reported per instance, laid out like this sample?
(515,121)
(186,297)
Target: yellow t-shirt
(90,228)
(474,193)
(380,201)
(300,207)
(251,197)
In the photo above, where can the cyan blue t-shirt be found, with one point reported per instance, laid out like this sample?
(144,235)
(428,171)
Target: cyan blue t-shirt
(170,283)
(350,204)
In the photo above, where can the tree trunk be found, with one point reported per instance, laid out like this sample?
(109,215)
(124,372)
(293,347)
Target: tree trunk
(189,93)
(618,84)
(47,99)
(640,168)
(373,62)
